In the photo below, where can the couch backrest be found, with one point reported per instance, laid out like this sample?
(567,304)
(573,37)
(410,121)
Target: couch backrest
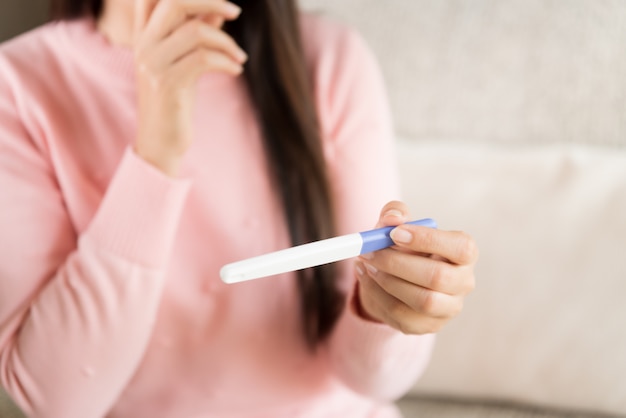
(512,71)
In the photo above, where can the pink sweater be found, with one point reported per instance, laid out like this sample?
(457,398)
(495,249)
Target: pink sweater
(110,299)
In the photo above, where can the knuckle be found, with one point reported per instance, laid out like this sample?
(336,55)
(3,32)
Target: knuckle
(439,276)
(407,327)
(387,260)
(468,250)
(415,326)
(458,308)
(426,238)
(428,303)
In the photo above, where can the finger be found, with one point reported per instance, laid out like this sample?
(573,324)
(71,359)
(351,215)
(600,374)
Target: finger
(169,14)
(216,21)
(193,35)
(437,275)
(143,10)
(392,214)
(201,61)
(457,247)
(420,299)
(392,311)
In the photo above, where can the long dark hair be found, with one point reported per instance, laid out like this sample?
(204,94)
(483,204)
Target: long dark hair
(279,86)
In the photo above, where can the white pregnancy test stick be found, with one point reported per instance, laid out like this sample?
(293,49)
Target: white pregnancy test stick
(313,254)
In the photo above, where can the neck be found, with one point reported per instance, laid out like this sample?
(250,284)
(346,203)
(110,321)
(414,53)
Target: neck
(116,22)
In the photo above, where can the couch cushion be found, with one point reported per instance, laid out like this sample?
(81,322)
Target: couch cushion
(415,406)
(547,321)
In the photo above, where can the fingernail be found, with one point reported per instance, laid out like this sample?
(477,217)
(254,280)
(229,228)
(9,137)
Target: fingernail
(367,256)
(393,213)
(372,270)
(401,236)
(359,269)
(241,56)
(233,9)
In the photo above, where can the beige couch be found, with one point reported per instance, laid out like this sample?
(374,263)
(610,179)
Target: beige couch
(511,122)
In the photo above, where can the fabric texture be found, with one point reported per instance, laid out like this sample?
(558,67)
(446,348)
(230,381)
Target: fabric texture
(522,72)
(110,300)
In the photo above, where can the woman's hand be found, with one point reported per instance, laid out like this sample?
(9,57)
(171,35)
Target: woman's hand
(420,284)
(176,41)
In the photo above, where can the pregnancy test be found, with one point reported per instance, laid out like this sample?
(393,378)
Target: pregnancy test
(313,254)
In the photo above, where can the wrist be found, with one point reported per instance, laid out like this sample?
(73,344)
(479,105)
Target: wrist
(167,163)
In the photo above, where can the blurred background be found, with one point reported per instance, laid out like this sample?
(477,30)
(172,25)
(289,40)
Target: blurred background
(510,118)
(16,16)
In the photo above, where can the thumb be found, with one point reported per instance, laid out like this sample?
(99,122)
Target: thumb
(143,10)
(393,213)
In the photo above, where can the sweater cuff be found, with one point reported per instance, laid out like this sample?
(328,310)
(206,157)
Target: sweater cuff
(140,212)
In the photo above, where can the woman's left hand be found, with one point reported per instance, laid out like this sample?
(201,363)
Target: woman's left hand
(418,285)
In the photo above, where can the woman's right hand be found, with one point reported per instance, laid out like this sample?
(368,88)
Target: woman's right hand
(176,41)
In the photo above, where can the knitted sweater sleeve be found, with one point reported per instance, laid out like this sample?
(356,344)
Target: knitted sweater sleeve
(372,359)
(76,310)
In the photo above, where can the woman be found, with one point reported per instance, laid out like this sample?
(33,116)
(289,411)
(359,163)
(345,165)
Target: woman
(146,143)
